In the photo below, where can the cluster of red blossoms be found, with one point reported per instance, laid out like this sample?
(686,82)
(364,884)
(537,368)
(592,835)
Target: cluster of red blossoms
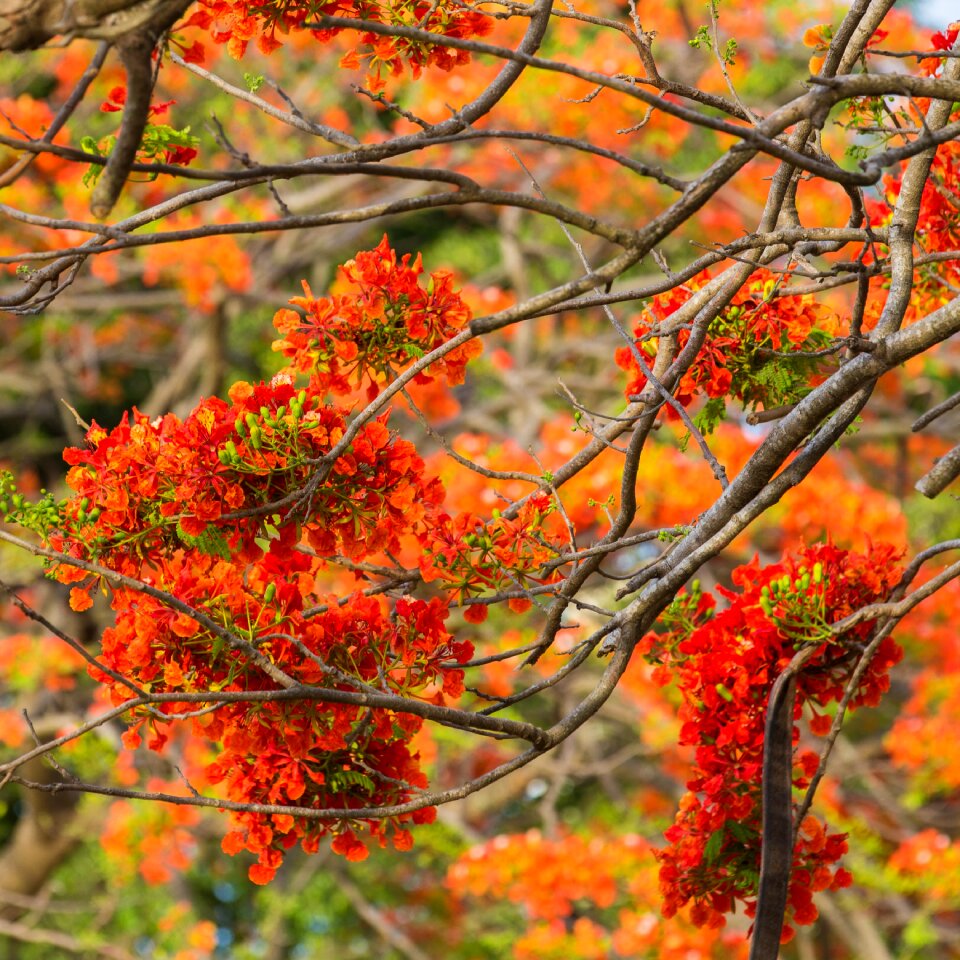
(938,230)
(725,664)
(731,362)
(148,488)
(472,556)
(237,22)
(167,503)
(228,517)
(378,322)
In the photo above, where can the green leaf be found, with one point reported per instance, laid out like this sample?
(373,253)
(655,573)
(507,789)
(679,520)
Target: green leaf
(254,81)
(702,38)
(714,845)
(740,832)
(345,779)
(711,415)
(103,148)
(211,542)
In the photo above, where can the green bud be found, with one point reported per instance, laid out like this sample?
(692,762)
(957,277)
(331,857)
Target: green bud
(231,448)
(281,410)
(269,593)
(223,457)
(724,692)
(255,437)
(251,421)
(818,572)
(240,427)
(302,398)
(805,582)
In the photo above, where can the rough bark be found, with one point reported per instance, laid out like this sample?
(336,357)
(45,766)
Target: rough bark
(28,24)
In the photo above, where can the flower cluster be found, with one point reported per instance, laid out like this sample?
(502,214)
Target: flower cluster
(474,557)
(931,862)
(381,322)
(326,753)
(155,839)
(725,666)
(149,487)
(937,230)
(740,342)
(164,502)
(226,518)
(237,22)
(586,898)
(569,869)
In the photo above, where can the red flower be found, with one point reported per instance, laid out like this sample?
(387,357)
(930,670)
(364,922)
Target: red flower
(725,665)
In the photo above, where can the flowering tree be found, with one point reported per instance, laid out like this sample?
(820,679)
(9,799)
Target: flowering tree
(300,570)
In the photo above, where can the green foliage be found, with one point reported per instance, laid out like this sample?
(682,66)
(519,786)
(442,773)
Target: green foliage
(37,517)
(254,81)
(102,148)
(160,143)
(709,417)
(159,139)
(701,39)
(211,542)
(918,934)
(932,520)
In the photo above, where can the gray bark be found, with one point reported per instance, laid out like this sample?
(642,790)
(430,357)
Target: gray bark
(28,24)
